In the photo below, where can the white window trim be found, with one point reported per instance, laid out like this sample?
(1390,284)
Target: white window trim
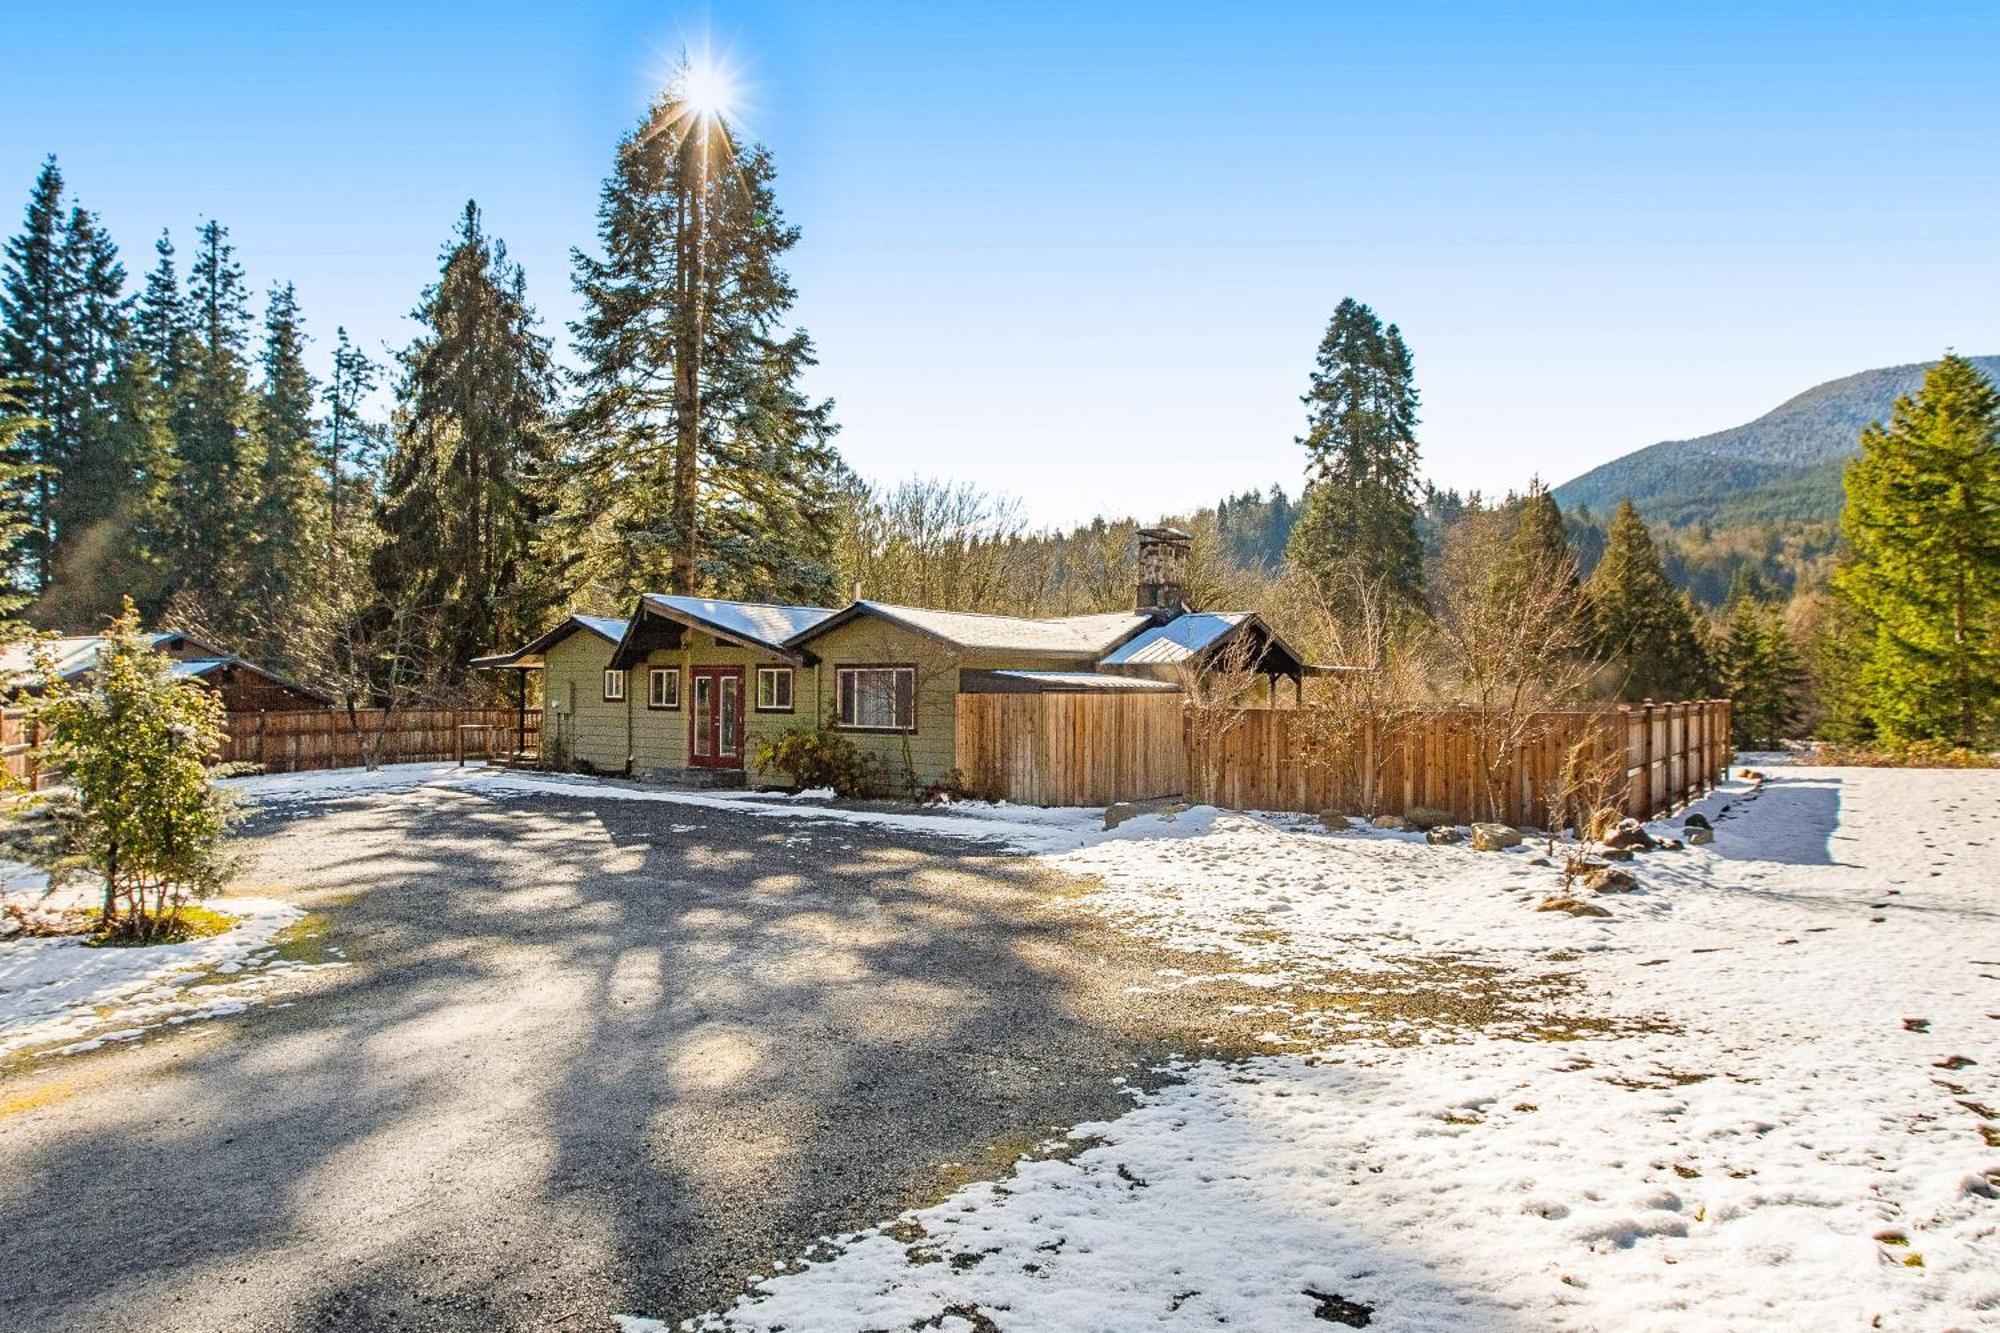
(653,676)
(614,686)
(885,668)
(776,673)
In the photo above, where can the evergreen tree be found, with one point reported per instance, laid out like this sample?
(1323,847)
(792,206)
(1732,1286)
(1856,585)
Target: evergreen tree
(214,441)
(1538,547)
(17,498)
(1758,667)
(160,328)
(472,450)
(696,462)
(351,454)
(1922,564)
(1644,625)
(287,519)
(63,320)
(1360,507)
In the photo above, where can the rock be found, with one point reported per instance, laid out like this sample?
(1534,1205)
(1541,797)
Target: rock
(1630,833)
(1609,880)
(1574,906)
(1493,837)
(1695,819)
(1616,853)
(1700,837)
(1117,814)
(1386,822)
(1443,835)
(1426,817)
(1336,820)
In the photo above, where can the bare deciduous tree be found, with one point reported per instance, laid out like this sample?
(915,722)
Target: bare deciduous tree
(1508,636)
(1215,689)
(1351,719)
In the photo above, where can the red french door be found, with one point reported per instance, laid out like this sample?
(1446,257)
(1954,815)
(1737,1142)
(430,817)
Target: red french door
(715,717)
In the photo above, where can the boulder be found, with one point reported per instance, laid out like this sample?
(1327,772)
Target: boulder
(1695,819)
(1115,815)
(1574,906)
(1629,833)
(1494,837)
(1610,880)
(1426,817)
(1700,837)
(1386,822)
(1616,853)
(1336,820)
(1443,835)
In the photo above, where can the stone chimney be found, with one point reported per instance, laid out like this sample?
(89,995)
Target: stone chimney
(1163,561)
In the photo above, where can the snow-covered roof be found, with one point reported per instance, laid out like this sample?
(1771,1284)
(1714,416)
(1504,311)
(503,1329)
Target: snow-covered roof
(609,628)
(1060,682)
(76,654)
(1063,636)
(199,666)
(1180,639)
(766,624)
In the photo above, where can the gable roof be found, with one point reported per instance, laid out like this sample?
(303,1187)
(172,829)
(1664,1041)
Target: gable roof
(754,624)
(609,628)
(1183,637)
(1087,636)
(76,654)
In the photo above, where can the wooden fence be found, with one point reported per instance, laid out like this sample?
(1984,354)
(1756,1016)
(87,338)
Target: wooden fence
(1072,749)
(1083,749)
(290,741)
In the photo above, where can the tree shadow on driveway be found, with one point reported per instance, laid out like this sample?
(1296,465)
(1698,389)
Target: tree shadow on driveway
(587,1056)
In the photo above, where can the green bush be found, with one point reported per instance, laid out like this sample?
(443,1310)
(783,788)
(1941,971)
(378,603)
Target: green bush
(821,757)
(1904,754)
(237,768)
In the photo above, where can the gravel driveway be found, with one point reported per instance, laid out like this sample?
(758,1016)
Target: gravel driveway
(588,1056)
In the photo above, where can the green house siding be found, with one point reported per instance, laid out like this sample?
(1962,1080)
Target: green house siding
(660,740)
(593,730)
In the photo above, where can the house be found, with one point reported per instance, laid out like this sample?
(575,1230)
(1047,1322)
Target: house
(687,688)
(245,687)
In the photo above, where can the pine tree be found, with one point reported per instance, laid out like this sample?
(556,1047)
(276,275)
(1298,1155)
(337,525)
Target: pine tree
(1538,547)
(286,515)
(1759,669)
(352,450)
(1360,508)
(65,319)
(160,327)
(1921,568)
(1644,625)
(17,498)
(722,480)
(214,440)
(472,450)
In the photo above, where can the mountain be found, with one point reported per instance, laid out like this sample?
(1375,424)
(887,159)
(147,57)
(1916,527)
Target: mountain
(1785,465)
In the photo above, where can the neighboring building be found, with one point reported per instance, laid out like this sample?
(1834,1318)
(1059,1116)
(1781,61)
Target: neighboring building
(244,686)
(688,687)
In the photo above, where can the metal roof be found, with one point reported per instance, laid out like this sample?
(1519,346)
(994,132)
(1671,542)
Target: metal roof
(1179,640)
(609,628)
(764,624)
(1007,681)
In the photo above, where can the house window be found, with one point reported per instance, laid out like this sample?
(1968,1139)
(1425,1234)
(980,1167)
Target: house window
(774,689)
(614,686)
(663,687)
(877,698)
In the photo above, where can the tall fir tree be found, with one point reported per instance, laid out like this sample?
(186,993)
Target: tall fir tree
(696,462)
(473,448)
(1645,626)
(1538,546)
(63,320)
(17,496)
(350,455)
(1921,568)
(214,438)
(1359,512)
(287,514)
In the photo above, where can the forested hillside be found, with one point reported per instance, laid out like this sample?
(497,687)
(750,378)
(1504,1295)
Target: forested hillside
(1785,466)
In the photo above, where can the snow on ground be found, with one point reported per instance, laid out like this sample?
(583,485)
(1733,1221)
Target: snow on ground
(1789,1119)
(60,995)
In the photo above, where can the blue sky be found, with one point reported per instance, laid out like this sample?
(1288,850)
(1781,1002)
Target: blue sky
(1082,254)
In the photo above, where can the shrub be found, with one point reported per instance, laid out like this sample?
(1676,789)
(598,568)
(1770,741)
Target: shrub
(1904,754)
(821,757)
(134,742)
(237,768)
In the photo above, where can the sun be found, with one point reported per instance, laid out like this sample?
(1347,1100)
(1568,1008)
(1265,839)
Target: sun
(708,86)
